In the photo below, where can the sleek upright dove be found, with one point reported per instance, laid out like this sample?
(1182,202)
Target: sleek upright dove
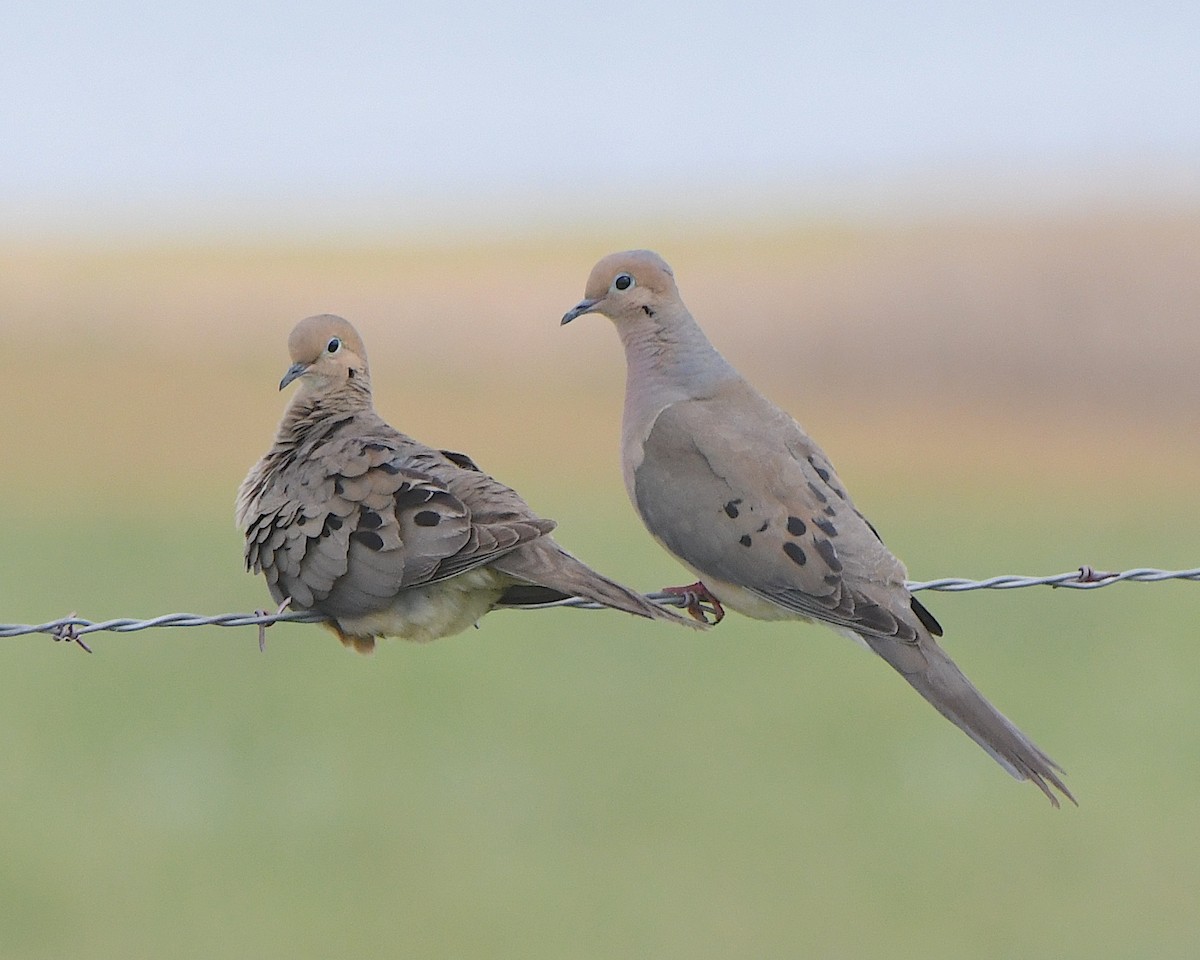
(733,487)
(350,518)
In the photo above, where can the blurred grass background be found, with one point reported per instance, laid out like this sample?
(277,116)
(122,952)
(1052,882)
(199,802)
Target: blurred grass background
(1002,396)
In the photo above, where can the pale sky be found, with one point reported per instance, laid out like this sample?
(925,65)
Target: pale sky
(258,114)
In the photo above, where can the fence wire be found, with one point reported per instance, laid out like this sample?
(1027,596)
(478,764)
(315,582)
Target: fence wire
(73,628)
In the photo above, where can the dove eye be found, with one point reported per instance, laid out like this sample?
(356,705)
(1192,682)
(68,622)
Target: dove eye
(333,346)
(623,282)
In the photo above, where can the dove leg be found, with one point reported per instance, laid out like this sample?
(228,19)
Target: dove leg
(698,602)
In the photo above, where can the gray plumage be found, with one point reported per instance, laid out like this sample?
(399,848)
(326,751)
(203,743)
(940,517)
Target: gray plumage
(350,518)
(733,486)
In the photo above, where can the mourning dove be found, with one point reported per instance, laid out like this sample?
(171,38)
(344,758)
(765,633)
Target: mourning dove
(734,487)
(348,517)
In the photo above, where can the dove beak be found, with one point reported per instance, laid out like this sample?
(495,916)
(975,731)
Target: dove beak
(582,307)
(294,371)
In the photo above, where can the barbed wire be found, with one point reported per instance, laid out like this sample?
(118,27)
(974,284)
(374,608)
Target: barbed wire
(73,628)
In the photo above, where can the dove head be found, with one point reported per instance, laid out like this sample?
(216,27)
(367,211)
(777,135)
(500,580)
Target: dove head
(327,352)
(628,288)
(667,353)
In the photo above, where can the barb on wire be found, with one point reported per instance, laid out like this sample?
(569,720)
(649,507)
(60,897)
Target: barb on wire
(72,628)
(1085,578)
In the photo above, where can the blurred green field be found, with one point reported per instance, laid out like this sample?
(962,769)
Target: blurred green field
(566,783)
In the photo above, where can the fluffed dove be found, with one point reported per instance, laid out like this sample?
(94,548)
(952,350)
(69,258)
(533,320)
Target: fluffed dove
(350,518)
(733,487)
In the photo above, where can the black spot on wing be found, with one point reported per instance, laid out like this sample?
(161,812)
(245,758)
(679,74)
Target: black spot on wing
(332,523)
(745,540)
(731,508)
(409,496)
(369,520)
(826,478)
(826,526)
(828,554)
(795,554)
(427,518)
(796,526)
(824,475)
(368,538)
(765,524)
(817,492)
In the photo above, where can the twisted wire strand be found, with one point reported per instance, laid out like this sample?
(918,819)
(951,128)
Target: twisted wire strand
(73,627)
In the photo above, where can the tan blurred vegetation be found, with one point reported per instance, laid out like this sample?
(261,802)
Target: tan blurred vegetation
(966,344)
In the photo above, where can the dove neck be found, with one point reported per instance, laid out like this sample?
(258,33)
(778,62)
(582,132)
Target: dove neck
(310,411)
(671,361)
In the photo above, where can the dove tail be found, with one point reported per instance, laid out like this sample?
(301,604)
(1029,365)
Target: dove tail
(940,682)
(548,574)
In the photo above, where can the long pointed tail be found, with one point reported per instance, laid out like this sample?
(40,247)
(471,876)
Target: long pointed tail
(931,672)
(552,574)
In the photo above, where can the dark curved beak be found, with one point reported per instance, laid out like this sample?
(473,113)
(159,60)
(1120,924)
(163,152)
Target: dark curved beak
(582,307)
(294,371)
